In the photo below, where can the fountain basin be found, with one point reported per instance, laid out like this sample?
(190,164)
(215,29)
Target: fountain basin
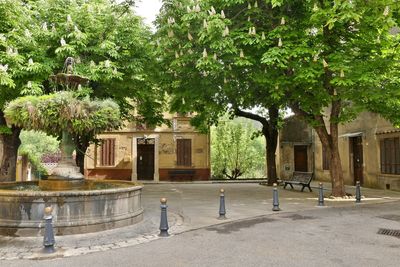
(96,206)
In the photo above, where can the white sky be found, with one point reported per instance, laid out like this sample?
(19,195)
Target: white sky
(148,9)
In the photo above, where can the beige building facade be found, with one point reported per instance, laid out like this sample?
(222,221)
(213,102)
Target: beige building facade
(295,148)
(163,153)
(369,149)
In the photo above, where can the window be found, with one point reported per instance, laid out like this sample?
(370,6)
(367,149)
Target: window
(107,152)
(390,155)
(184,152)
(325,159)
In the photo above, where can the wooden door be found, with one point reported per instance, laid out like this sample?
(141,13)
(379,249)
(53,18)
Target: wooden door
(145,161)
(300,158)
(358,168)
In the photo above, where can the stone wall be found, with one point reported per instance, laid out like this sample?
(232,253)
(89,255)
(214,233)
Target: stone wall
(372,128)
(165,139)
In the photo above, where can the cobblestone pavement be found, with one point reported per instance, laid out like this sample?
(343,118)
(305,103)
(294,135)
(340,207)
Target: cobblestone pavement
(191,206)
(73,245)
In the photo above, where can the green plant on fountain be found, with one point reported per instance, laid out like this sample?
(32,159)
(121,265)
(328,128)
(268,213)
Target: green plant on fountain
(64,113)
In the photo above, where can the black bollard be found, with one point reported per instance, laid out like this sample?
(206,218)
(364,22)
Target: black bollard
(164,221)
(321,195)
(275,199)
(48,240)
(358,192)
(222,210)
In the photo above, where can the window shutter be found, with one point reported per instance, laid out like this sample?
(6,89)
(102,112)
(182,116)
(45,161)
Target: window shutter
(396,155)
(325,159)
(390,155)
(184,152)
(188,152)
(383,158)
(107,152)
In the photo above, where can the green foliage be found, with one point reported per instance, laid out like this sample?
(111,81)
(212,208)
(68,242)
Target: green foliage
(20,52)
(36,144)
(212,60)
(333,52)
(305,54)
(5,130)
(234,152)
(111,47)
(63,111)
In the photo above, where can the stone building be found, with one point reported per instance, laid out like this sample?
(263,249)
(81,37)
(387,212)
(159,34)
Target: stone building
(295,149)
(158,154)
(369,149)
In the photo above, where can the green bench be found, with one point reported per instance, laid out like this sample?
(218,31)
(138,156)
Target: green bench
(299,178)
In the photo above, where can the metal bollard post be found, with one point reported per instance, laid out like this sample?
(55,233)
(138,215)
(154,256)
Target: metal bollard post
(222,210)
(321,195)
(48,240)
(358,192)
(275,199)
(164,221)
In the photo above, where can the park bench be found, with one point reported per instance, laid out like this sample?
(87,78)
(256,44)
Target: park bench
(299,178)
(181,175)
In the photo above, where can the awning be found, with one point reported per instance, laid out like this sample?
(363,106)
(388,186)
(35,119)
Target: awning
(388,131)
(351,134)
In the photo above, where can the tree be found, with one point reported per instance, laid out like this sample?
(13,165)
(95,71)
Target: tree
(109,43)
(333,57)
(35,145)
(18,73)
(211,53)
(234,151)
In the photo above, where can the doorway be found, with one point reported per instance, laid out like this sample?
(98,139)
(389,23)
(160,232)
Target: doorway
(300,158)
(145,158)
(357,148)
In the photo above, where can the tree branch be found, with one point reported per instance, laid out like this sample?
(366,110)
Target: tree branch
(320,129)
(299,112)
(252,116)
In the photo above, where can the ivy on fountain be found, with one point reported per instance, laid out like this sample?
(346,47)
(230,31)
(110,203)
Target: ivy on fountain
(63,111)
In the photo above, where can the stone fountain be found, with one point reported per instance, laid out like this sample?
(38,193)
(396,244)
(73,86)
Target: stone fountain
(79,205)
(66,174)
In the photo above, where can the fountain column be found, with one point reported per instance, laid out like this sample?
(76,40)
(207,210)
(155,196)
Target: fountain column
(66,168)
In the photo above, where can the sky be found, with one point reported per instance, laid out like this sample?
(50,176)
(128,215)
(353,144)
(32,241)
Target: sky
(148,9)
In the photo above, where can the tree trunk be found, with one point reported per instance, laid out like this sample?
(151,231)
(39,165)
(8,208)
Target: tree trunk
(270,132)
(331,145)
(80,161)
(338,189)
(271,143)
(81,143)
(330,141)
(10,143)
(271,164)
